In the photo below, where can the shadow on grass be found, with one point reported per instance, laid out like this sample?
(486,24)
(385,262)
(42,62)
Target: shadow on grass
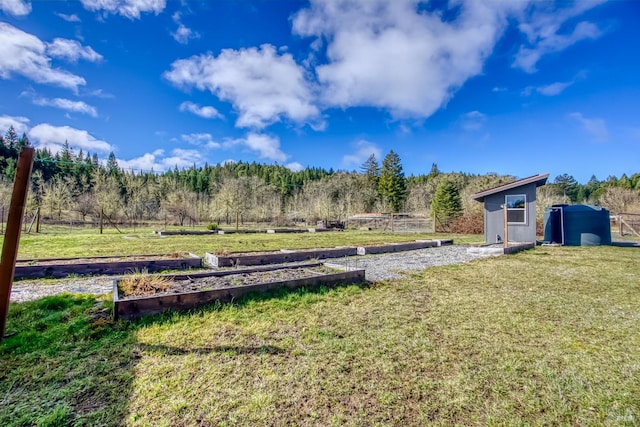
(65,363)
(626,244)
(68,363)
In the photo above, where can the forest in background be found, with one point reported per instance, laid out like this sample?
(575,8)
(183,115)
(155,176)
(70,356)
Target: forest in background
(76,186)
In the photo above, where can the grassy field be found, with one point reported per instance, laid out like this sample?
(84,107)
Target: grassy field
(61,242)
(549,336)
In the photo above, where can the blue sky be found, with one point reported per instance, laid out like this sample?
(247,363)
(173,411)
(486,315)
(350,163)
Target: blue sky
(512,87)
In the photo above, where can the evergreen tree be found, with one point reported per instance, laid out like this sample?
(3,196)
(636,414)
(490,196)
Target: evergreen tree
(447,203)
(371,170)
(23,142)
(567,186)
(392,185)
(112,165)
(434,171)
(371,167)
(11,138)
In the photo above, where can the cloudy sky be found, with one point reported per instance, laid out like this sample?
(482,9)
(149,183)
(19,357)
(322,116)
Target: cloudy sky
(478,86)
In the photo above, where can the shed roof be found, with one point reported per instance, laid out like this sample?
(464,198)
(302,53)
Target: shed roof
(539,180)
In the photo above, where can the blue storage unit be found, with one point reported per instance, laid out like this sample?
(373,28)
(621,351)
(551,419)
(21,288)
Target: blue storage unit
(577,225)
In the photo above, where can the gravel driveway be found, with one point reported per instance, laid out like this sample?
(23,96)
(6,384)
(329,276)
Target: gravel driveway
(378,267)
(389,266)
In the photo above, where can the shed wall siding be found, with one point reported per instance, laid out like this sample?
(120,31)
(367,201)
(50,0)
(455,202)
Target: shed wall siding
(494,216)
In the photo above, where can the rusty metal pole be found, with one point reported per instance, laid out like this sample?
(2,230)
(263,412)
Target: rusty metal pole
(12,236)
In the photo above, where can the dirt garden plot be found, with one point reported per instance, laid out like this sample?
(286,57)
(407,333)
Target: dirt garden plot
(401,247)
(234,259)
(146,295)
(163,233)
(104,265)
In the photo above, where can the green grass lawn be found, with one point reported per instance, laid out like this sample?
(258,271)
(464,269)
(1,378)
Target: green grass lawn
(549,336)
(63,242)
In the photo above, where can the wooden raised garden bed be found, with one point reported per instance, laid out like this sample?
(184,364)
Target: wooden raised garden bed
(62,267)
(396,247)
(241,231)
(496,249)
(234,259)
(162,233)
(188,292)
(287,230)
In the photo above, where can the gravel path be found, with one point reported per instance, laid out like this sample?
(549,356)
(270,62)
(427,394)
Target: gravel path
(30,290)
(390,266)
(378,267)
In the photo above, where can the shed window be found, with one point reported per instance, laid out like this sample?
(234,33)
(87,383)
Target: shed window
(516,208)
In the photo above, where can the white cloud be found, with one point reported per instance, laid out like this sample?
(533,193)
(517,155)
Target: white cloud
(596,127)
(363,149)
(262,85)
(183,158)
(206,111)
(158,162)
(69,18)
(267,147)
(183,34)
(72,50)
(15,7)
(388,54)
(24,54)
(128,8)
(99,93)
(543,28)
(499,89)
(294,166)
(68,105)
(19,123)
(473,121)
(54,137)
(201,139)
(146,162)
(554,88)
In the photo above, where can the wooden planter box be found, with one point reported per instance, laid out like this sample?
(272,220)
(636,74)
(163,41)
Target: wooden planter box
(287,230)
(62,267)
(499,249)
(132,308)
(185,232)
(241,231)
(280,257)
(396,247)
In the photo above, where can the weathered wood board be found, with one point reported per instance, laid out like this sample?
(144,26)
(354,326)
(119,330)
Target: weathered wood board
(142,306)
(99,265)
(396,247)
(246,259)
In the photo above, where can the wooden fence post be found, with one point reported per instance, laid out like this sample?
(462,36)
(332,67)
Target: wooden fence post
(12,237)
(506,226)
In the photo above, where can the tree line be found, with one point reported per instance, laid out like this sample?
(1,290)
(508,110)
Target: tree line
(69,185)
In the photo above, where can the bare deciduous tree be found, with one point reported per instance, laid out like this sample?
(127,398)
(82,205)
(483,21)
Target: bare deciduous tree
(181,203)
(57,197)
(621,200)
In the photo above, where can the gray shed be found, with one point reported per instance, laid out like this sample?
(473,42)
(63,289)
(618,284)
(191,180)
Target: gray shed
(520,198)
